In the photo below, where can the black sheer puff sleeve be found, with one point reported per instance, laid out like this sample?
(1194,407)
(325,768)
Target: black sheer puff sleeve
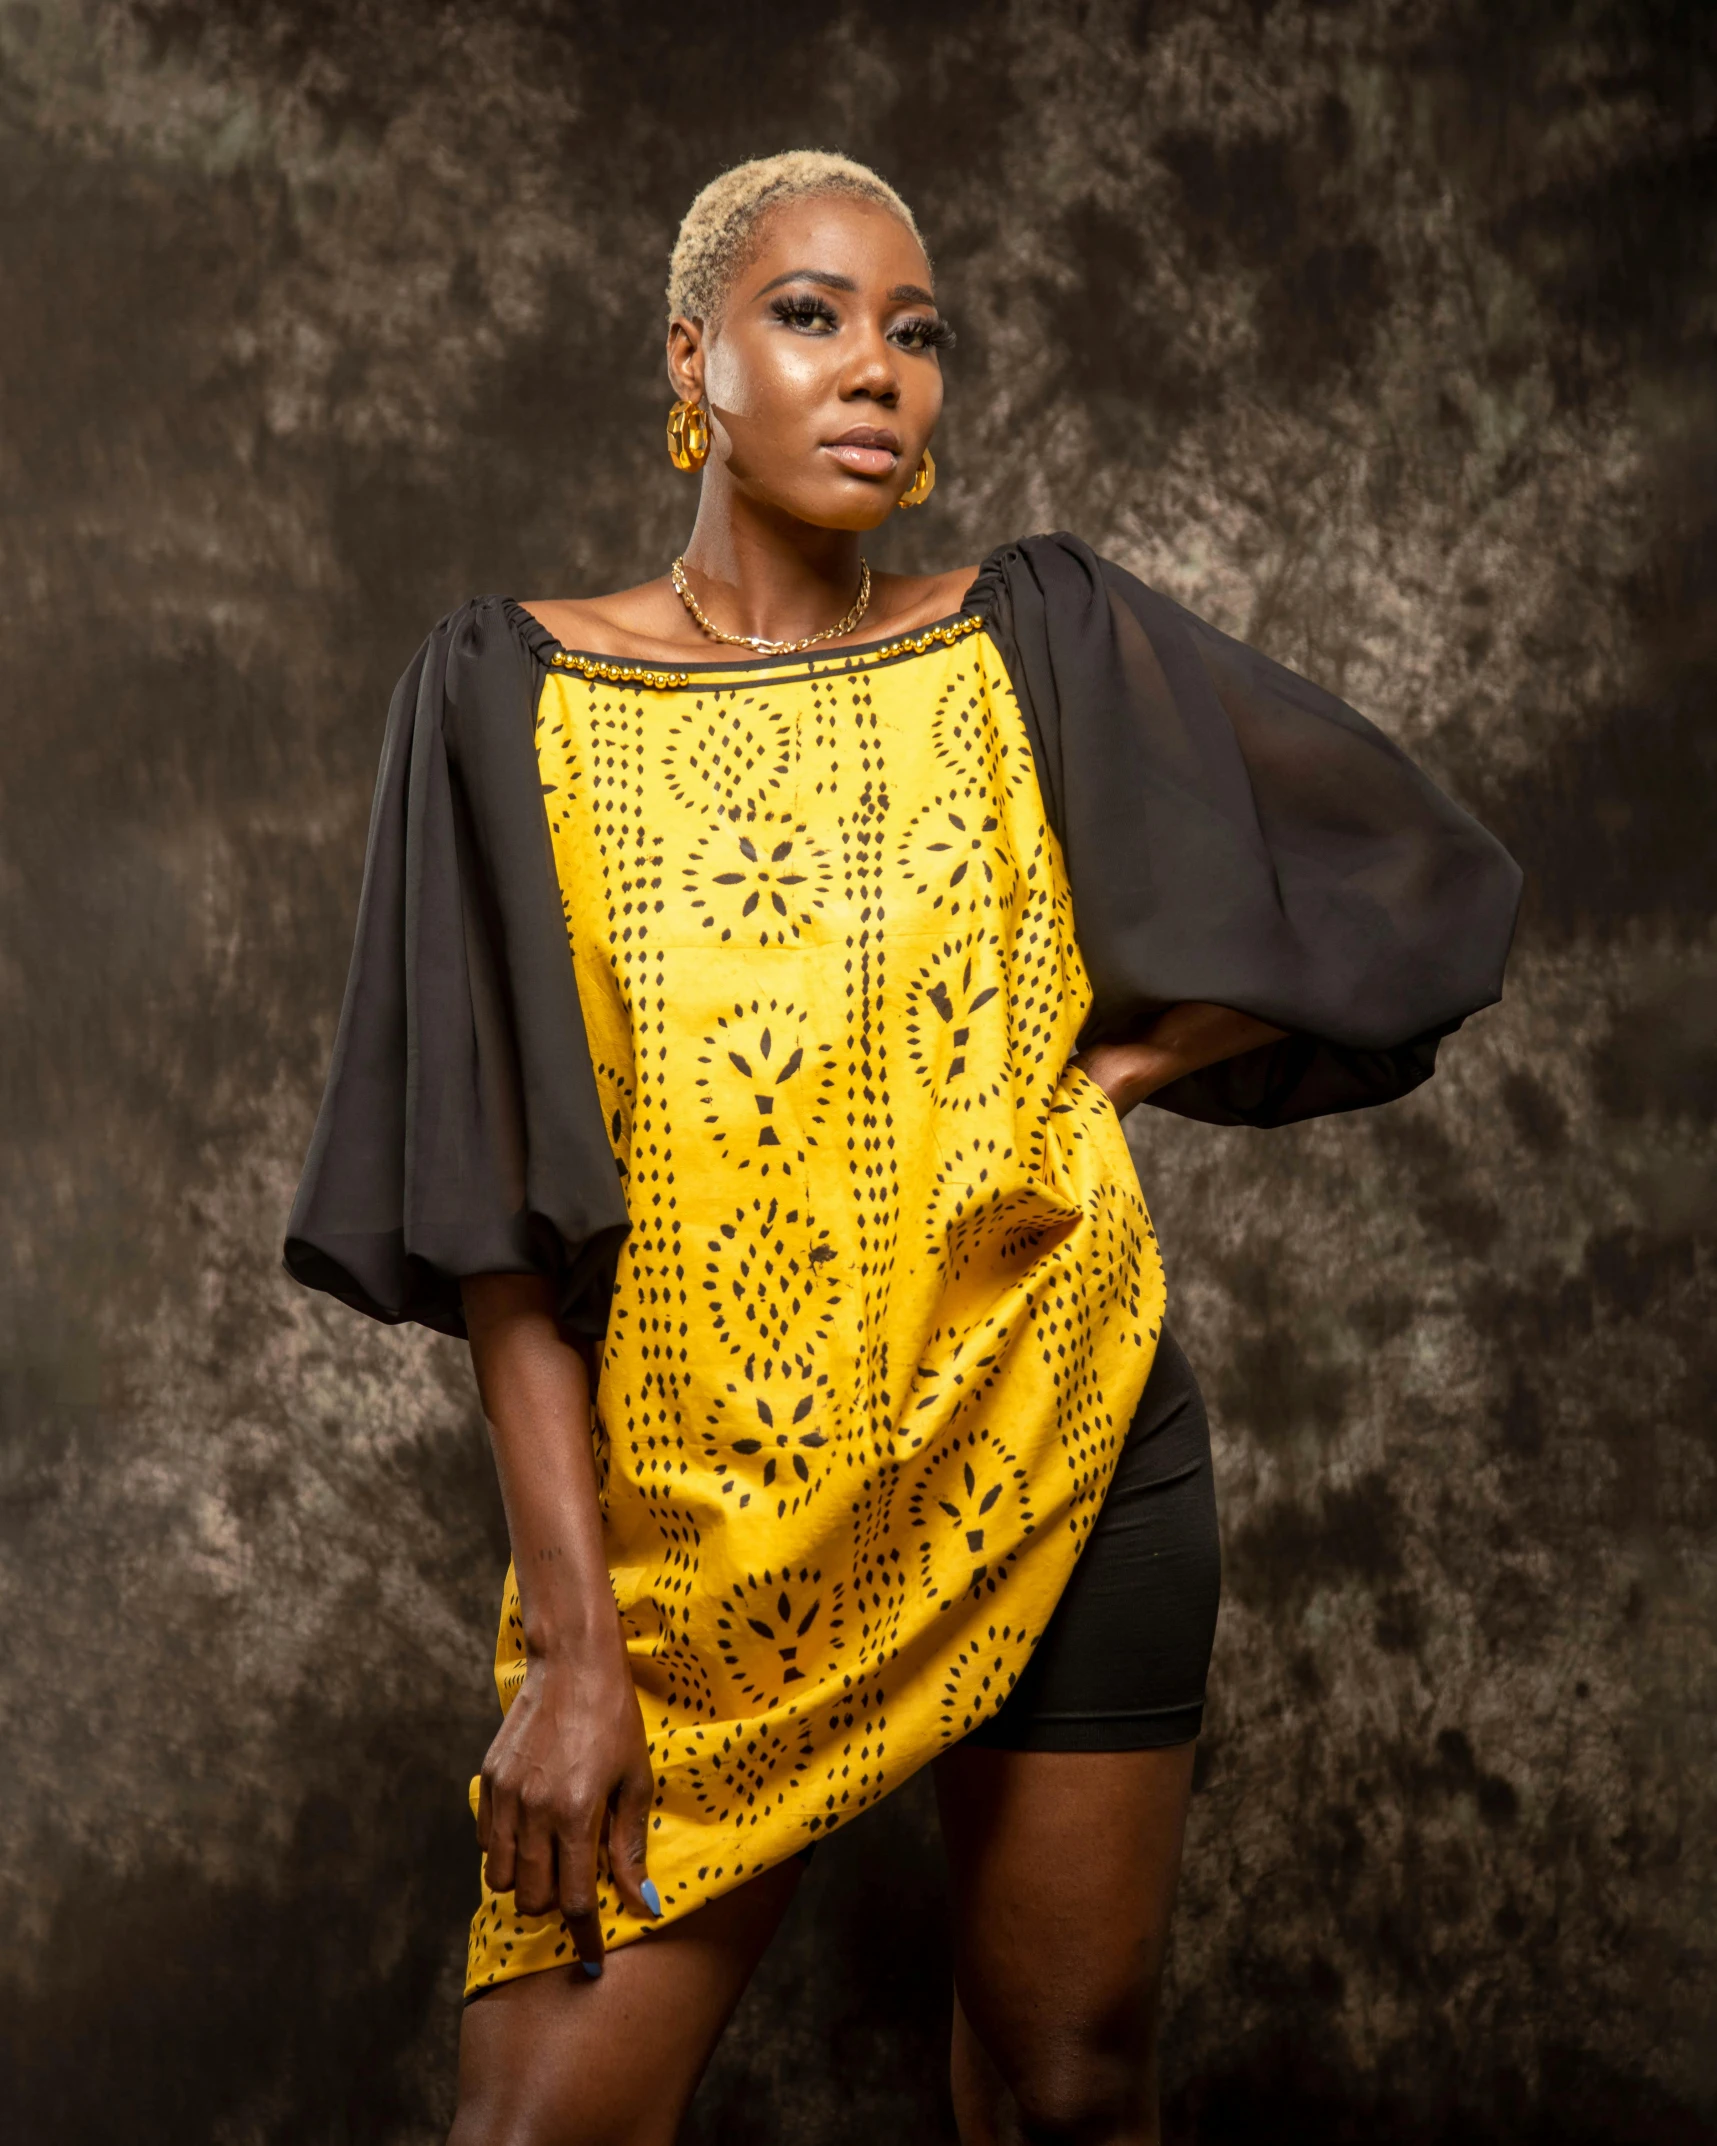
(1235,834)
(461,1132)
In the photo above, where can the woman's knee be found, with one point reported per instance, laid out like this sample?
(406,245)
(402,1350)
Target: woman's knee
(476,2127)
(1086,2098)
(521,2112)
(486,2120)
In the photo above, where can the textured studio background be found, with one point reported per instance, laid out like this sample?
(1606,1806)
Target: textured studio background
(1380,333)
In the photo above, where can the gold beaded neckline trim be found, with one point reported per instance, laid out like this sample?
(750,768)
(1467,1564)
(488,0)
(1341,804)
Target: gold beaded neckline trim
(637,674)
(617,674)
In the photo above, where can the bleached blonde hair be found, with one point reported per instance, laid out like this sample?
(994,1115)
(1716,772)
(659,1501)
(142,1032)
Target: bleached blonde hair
(716,236)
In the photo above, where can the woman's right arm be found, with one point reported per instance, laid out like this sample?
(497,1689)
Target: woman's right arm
(570,1760)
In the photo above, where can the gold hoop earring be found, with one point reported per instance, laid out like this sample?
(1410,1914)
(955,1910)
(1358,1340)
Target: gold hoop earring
(688,436)
(923,482)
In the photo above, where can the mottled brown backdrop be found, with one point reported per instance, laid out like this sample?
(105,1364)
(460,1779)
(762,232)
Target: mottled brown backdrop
(1380,333)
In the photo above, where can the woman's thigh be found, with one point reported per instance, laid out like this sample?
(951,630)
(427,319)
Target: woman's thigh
(556,2059)
(1064,1866)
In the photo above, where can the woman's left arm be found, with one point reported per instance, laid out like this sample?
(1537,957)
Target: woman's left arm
(1236,836)
(1182,1039)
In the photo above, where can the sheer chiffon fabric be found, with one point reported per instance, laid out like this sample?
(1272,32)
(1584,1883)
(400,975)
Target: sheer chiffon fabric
(460,1131)
(1232,833)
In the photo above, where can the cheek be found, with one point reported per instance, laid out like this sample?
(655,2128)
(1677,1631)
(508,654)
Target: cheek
(775,382)
(727,381)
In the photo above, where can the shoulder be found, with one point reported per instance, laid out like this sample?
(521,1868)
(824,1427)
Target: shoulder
(493,634)
(473,673)
(948,592)
(903,602)
(1059,580)
(646,622)
(1056,554)
(482,627)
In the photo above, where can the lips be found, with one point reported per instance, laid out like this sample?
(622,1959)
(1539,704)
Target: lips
(866,450)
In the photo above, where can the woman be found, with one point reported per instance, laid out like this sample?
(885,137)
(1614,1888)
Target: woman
(753,970)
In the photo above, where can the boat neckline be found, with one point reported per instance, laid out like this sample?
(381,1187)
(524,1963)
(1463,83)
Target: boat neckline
(664,666)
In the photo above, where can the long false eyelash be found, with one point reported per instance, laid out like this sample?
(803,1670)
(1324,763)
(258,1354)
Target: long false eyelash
(929,334)
(797,309)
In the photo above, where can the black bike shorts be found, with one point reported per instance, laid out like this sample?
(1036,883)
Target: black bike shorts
(1123,1660)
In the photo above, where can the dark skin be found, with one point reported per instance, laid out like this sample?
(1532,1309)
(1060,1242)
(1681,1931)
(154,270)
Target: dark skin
(824,384)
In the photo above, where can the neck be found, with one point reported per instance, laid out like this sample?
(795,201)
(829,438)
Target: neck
(759,571)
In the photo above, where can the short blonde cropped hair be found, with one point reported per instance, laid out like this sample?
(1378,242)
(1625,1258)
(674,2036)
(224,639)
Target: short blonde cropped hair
(716,235)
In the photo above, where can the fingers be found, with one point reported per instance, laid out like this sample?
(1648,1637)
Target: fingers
(547,1855)
(580,1900)
(534,1865)
(628,1844)
(497,1830)
(519,1845)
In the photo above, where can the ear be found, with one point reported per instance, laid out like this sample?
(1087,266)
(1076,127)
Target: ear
(686,358)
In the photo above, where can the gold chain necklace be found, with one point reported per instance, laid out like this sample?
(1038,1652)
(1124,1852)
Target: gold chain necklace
(772,648)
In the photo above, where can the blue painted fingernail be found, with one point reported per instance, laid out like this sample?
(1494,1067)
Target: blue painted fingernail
(591,1967)
(652,1898)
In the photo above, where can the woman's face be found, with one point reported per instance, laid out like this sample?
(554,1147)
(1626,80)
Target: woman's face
(822,377)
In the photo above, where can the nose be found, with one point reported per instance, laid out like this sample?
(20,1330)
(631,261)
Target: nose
(872,373)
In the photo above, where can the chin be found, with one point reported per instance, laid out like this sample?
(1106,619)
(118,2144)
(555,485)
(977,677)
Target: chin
(845,507)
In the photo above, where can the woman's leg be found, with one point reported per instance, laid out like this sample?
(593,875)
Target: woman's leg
(556,2059)
(1065,1853)
(1064,1866)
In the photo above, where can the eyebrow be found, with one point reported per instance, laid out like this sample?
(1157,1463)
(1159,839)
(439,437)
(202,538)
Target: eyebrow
(902,293)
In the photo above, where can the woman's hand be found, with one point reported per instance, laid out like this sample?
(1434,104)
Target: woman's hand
(569,1767)
(1179,1041)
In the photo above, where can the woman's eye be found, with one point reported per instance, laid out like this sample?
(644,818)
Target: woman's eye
(806,313)
(930,334)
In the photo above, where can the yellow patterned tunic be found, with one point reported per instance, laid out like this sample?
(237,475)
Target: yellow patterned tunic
(891,1294)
